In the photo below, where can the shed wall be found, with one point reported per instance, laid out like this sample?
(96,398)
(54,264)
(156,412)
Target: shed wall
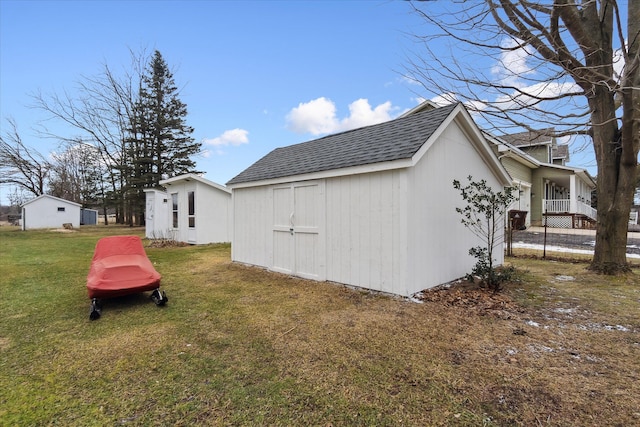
(251,225)
(366,230)
(438,242)
(212,213)
(44,213)
(157,219)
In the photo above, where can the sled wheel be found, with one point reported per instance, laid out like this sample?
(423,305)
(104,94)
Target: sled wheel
(160,298)
(94,310)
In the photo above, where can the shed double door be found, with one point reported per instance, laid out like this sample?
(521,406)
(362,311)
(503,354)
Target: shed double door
(298,222)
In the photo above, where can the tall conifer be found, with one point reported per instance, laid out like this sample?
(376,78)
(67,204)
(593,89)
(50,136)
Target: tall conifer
(161,144)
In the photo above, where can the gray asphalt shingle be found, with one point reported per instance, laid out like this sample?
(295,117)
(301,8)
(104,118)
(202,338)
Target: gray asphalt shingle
(393,140)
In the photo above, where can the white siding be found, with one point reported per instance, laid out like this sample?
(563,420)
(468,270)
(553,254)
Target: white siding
(395,230)
(49,212)
(158,215)
(365,214)
(213,214)
(439,243)
(251,226)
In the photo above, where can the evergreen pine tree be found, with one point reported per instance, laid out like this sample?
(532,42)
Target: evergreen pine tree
(170,144)
(160,144)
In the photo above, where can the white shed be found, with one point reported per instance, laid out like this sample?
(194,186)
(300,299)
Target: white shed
(50,212)
(192,210)
(372,207)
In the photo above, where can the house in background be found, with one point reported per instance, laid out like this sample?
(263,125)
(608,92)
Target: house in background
(192,210)
(547,187)
(541,145)
(47,211)
(372,207)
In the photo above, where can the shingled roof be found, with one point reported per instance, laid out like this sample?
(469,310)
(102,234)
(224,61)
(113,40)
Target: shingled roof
(393,140)
(526,138)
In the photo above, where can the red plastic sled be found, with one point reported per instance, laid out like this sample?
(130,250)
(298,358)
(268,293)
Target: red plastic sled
(120,267)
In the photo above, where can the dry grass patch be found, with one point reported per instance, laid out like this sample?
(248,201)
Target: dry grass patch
(238,345)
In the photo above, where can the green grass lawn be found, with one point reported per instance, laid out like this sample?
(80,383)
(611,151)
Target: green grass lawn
(238,345)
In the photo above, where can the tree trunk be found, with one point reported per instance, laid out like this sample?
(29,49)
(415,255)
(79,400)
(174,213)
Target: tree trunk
(615,190)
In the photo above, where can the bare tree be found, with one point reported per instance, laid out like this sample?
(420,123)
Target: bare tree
(77,173)
(21,165)
(571,65)
(102,111)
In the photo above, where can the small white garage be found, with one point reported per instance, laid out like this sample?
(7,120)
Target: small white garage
(47,211)
(372,207)
(192,210)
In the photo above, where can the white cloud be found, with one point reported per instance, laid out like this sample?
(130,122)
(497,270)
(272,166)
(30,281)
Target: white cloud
(318,116)
(361,114)
(444,99)
(533,93)
(315,117)
(513,63)
(232,137)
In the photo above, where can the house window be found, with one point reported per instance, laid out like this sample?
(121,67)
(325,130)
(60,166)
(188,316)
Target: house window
(192,209)
(174,209)
(61,209)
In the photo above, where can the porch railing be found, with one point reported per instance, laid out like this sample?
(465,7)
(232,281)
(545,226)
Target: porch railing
(564,206)
(557,205)
(587,210)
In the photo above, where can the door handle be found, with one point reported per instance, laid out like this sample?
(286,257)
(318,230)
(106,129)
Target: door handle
(291,225)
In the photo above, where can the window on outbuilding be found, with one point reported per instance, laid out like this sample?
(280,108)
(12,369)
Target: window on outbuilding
(61,209)
(174,209)
(192,209)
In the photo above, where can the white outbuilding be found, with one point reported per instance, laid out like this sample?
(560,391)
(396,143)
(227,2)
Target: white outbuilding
(372,207)
(47,211)
(192,210)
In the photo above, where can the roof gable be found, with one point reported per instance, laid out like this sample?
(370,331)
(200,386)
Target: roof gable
(193,177)
(529,138)
(384,142)
(47,196)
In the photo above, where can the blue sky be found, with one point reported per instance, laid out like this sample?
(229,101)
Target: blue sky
(254,75)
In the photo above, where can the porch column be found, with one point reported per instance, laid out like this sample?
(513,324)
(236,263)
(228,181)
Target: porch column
(573,194)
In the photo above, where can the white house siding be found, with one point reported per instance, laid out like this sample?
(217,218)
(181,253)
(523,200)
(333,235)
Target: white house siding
(43,212)
(366,244)
(438,242)
(517,170)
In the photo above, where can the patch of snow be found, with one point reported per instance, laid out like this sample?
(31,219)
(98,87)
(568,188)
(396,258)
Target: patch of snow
(600,326)
(563,278)
(564,310)
(615,328)
(512,351)
(543,348)
(532,323)
(522,245)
